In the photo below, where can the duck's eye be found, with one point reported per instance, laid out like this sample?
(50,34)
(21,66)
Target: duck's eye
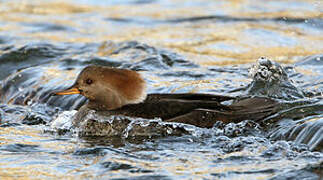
(89,81)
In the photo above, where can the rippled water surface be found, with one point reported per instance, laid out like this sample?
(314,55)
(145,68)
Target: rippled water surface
(178,46)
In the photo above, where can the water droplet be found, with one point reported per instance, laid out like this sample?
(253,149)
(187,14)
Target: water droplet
(29,102)
(126,133)
(169,131)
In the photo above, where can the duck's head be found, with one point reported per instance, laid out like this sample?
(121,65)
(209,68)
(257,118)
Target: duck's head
(108,88)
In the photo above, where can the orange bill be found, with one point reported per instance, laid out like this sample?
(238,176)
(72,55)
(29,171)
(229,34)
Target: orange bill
(68,92)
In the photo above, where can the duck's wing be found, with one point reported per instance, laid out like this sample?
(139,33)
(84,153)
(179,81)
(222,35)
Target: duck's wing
(254,103)
(190,96)
(204,118)
(247,109)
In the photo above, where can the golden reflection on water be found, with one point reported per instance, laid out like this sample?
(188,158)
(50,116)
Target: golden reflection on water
(44,8)
(62,75)
(40,165)
(199,41)
(308,72)
(34,165)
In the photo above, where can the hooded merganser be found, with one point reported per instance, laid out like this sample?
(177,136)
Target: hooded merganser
(114,91)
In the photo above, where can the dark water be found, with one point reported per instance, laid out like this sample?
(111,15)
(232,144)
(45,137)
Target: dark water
(178,46)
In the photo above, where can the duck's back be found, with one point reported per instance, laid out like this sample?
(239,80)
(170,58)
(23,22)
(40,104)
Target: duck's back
(167,106)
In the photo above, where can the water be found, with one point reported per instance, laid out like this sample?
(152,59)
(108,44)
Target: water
(178,46)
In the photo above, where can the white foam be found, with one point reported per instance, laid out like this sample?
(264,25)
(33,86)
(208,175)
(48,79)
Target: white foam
(63,121)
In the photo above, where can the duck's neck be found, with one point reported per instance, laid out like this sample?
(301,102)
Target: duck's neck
(109,101)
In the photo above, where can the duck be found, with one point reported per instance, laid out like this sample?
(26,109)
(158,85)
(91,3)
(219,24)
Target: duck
(114,91)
